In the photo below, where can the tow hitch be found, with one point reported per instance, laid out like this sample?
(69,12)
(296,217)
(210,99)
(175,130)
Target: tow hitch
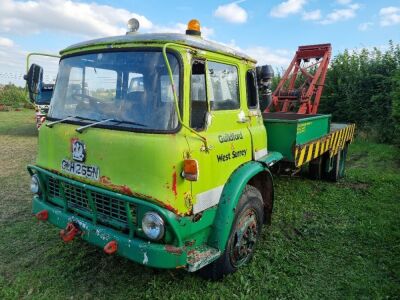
(69,232)
(111,247)
(42,215)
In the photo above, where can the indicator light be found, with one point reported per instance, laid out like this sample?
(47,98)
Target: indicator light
(190,169)
(193,28)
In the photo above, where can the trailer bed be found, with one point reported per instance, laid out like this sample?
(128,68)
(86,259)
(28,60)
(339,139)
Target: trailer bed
(302,138)
(338,137)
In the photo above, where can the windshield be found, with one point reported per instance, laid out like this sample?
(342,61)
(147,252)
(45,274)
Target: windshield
(131,88)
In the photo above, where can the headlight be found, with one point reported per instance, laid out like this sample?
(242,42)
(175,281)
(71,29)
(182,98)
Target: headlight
(153,225)
(35,188)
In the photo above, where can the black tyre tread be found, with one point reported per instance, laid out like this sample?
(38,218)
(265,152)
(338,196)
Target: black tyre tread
(315,169)
(222,266)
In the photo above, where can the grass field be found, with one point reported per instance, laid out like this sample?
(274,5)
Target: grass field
(326,240)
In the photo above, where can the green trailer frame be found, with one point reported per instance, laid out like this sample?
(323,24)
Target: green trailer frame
(303,138)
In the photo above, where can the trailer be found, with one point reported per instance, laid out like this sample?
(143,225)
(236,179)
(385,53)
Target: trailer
(309,139)
(155,148)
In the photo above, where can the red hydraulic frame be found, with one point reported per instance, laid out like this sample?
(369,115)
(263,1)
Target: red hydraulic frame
(302,93)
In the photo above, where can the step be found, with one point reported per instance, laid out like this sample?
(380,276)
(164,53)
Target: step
(201,256)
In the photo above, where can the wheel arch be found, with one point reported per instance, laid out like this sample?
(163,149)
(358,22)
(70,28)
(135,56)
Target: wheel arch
(254,173)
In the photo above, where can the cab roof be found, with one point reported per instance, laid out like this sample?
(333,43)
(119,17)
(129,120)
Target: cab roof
(178,38)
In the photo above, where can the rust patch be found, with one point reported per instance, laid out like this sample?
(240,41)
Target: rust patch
(105,182)
(171,208)
(174,250)
(188,200)
(190,243)
(197,217)
(55,171)
(180,267)
(174,183)
(124,189)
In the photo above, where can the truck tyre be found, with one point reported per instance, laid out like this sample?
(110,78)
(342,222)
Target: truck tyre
(245,232)
(315,168)
(339,164)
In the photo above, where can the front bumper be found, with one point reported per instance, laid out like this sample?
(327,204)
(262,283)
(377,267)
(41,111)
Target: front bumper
(104,216)
(138,250)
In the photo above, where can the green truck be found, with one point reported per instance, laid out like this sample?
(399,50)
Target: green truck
(155,149)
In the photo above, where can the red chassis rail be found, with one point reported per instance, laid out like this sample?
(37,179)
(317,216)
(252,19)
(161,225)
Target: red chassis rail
(300,89)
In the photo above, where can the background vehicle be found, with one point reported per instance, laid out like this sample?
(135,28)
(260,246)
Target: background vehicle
(155,148)
(41,99)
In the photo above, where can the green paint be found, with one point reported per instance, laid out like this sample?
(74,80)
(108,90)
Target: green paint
(229,199)
(138,250)
(142,171)
(272,158)
(284,133)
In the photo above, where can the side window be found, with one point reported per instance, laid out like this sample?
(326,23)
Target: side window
(224,86)
(251,86)
(198,95)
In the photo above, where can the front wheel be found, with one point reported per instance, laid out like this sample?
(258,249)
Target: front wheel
(244,235)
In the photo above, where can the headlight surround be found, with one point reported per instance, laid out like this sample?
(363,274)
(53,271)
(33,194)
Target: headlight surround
(35,187)
(153,225)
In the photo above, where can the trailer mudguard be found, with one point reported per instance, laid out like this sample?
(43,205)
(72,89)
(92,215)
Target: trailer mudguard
(229,199)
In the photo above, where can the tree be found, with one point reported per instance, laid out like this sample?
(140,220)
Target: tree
(11,95)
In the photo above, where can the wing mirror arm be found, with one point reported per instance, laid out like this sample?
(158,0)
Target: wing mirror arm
(176,98)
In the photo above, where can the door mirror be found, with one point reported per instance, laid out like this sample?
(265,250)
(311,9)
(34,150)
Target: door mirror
(265,75)
(34,82)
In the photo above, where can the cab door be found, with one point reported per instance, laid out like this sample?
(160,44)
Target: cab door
(217,115)
(256,124)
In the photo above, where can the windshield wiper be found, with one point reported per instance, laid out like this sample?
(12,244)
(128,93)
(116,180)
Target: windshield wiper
(51,124)
(128,122)
(82,128)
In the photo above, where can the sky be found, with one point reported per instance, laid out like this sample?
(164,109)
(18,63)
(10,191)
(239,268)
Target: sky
(270,30)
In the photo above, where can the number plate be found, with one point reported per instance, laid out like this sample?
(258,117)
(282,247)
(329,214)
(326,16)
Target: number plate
(79,169)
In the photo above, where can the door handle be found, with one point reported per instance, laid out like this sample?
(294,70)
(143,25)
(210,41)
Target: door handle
(243,120)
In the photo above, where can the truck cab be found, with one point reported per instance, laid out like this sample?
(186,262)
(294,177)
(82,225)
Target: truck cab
(155,148)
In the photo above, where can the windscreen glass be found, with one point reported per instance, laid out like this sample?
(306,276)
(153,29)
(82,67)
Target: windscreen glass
(131,89)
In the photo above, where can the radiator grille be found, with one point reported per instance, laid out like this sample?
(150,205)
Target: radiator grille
(107,208)
(110,207)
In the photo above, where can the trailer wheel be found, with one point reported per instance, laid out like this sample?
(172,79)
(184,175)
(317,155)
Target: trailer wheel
(339,165)
(244,235)
(315,168)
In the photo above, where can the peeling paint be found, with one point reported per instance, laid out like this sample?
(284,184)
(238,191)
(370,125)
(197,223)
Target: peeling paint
(188,200)
(174,250)
(102,235)
(145,258)
(174,183)
(82,225)
(171,208)
(124,189)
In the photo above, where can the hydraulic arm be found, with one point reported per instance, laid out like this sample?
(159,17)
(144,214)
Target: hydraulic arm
(301,86)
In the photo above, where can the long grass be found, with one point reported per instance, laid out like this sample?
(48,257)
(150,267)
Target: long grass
(327,240)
